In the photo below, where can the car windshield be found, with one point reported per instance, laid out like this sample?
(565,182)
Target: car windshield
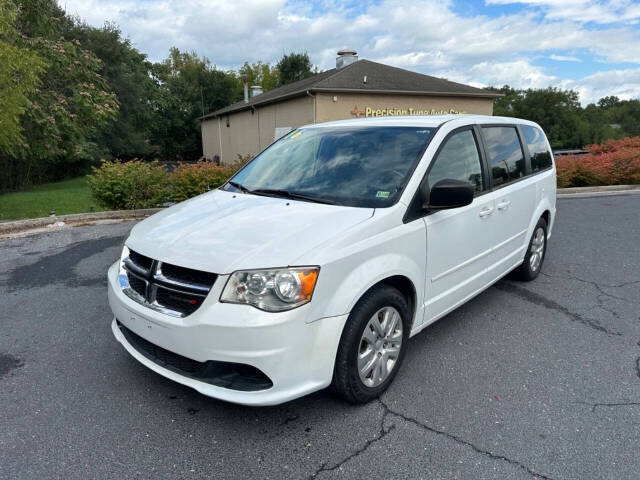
(356,166)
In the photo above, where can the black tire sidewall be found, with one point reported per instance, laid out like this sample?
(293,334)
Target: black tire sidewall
(348,378)
(527,273)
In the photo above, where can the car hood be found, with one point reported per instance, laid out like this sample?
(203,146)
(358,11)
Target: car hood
(223,231)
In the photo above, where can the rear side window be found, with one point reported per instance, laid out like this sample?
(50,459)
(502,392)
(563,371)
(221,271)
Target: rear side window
(505,154)
(458,160)
(538,150)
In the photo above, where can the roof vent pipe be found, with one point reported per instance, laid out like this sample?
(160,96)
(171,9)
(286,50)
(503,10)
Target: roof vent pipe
(256,90)
(346,57)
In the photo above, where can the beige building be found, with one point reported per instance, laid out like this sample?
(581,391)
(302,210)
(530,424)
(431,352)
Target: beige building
(354,89)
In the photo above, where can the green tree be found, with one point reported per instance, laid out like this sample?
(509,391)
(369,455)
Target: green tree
(504,106)
(608,102)
(187,87)
(627,115)
(294,67)
(128,74)
(260,73)
(622,116)
(70,105)
(19,75)
(557,111)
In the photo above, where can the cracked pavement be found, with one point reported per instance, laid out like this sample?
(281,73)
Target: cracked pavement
(528,380)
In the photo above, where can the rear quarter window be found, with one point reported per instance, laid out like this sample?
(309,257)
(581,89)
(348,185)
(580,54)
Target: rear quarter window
(537,145)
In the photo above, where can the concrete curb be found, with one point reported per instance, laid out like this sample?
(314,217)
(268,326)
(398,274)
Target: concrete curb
(580,192)
(74,219)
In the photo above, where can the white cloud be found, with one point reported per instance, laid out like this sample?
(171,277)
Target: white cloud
(231,32)
(564,58)
(422,35)
(520,73)
(624,84)
(602,11)
(210,27)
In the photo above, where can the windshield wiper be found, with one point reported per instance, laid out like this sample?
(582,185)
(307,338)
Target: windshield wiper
(240,187)
(274,192)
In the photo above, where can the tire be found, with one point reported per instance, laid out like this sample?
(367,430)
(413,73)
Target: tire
(383,303)
(530,269)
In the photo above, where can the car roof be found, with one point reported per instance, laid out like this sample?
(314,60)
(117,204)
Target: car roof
(421,121)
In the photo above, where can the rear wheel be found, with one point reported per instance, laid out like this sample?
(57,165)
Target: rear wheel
(372,345)
(534,257)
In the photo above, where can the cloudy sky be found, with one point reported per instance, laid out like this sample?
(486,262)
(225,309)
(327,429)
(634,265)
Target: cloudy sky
(592,46)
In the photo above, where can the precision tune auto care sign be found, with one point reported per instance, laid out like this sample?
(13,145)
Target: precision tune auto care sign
(393,112)
(356,88)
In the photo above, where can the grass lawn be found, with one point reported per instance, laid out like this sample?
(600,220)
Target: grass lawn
(70,196)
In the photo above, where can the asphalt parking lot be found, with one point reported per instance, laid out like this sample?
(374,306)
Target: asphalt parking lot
(527,380)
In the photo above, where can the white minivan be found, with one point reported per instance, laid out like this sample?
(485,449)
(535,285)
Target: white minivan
(318,260)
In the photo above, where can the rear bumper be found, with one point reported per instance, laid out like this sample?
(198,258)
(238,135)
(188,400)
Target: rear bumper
(297,355)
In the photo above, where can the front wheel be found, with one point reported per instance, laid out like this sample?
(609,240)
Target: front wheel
(373,345)
(534,257)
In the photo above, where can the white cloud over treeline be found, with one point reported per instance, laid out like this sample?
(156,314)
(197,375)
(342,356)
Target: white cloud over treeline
(430,36)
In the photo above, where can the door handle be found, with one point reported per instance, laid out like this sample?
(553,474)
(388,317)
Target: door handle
(486,211)
(504,204)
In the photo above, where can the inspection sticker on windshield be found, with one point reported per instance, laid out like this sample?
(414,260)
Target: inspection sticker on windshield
(382,194)
(295,134)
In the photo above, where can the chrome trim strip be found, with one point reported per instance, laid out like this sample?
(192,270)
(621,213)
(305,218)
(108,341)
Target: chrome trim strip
(134,267)
(177,290)
(167,311)
(163,279)
(133,295)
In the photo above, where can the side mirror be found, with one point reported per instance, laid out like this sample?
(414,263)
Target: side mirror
(449,193)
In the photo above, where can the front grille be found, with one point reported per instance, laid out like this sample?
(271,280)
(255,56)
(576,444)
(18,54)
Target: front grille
(181,274)
(168,288)
(140,260)
(235,376)
(178,301)
(137,284)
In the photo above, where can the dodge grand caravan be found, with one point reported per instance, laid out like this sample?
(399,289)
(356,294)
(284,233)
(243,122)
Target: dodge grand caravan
(314,264)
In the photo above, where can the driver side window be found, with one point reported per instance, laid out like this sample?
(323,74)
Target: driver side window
(458,160)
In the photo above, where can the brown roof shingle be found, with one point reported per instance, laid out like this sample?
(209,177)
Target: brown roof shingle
(380,78)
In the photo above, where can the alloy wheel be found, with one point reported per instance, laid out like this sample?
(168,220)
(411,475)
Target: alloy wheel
(380,346)
(537,249)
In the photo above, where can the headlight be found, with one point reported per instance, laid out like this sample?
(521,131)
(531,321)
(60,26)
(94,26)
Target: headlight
(273,290)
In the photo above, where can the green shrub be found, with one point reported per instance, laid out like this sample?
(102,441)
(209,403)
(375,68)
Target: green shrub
(189,180)
(135,184)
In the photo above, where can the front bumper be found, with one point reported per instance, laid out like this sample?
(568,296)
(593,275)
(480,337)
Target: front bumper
(295,352)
